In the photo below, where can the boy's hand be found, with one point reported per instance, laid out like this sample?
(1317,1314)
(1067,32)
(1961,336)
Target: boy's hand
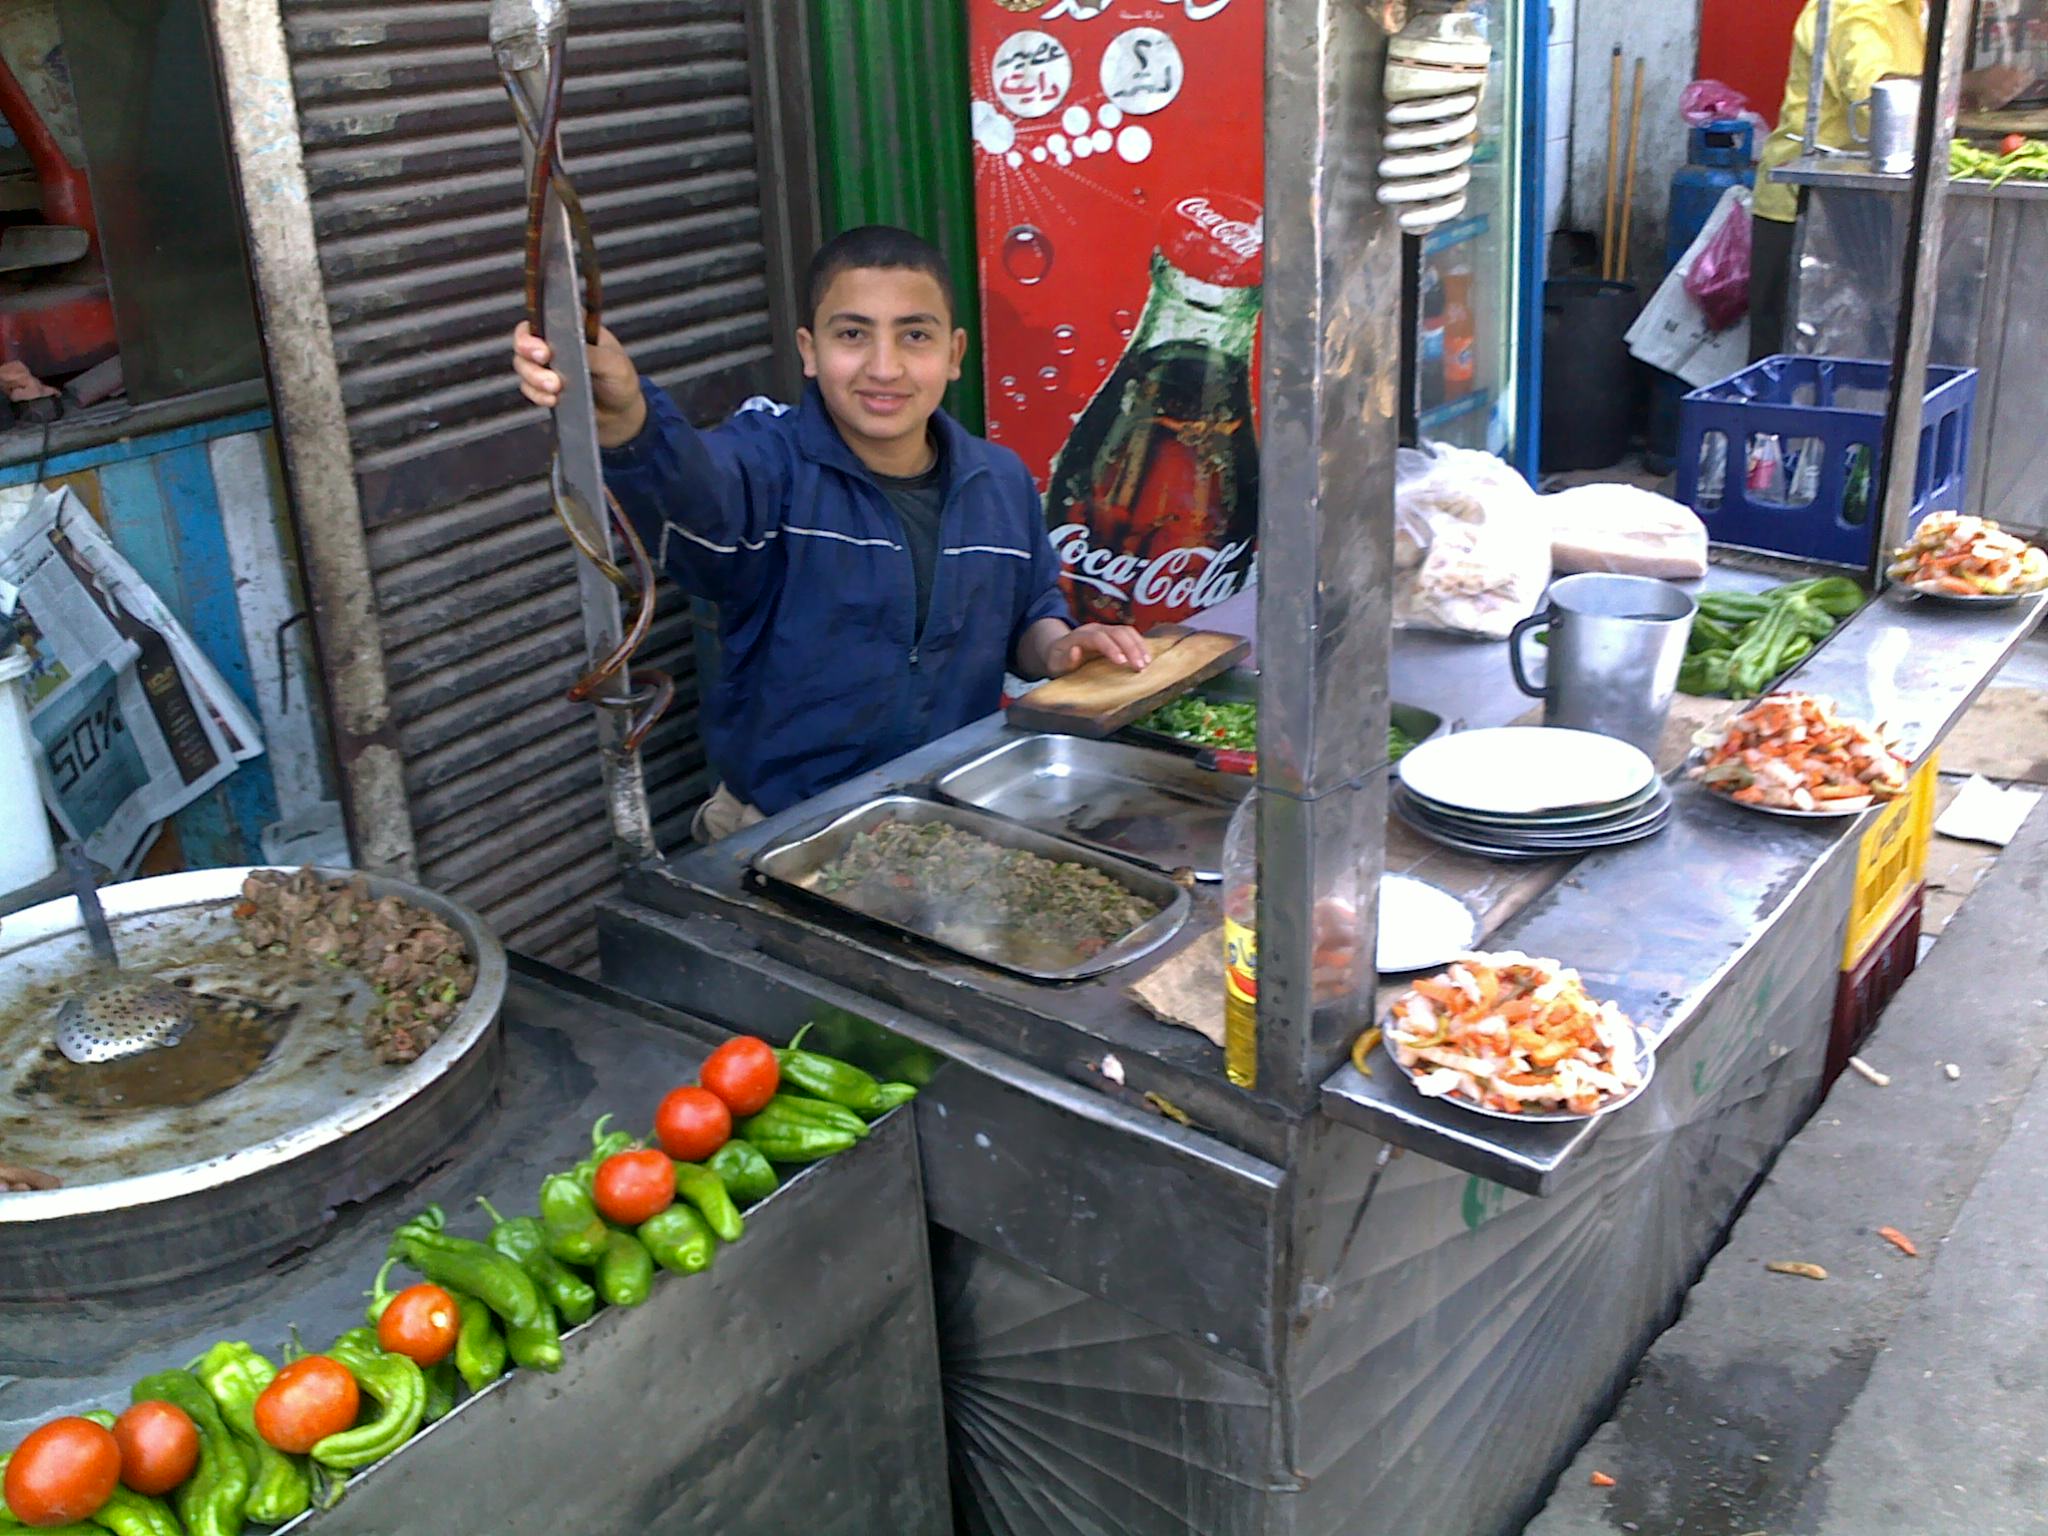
(614,383)
(1118,642)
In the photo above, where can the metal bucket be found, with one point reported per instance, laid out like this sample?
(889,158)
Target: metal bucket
(1614,648)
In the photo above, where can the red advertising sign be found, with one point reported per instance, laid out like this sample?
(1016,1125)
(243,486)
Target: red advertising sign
(1119,170)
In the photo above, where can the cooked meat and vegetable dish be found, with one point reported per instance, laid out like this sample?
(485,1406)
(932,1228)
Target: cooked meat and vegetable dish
(940,879)
(417,964)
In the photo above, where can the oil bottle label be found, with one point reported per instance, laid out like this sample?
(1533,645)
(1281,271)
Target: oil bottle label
(1240,1003)
(1240,962)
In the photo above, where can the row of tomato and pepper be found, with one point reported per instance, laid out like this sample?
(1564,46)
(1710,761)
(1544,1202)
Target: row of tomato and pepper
(232,1438)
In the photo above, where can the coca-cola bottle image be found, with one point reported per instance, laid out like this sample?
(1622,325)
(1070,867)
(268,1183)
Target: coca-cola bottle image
(1153,503)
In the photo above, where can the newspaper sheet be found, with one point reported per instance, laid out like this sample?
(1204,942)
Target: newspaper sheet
(133,721)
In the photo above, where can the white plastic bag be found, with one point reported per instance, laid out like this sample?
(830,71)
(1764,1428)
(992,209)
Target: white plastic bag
(1471,543)
(1625,530)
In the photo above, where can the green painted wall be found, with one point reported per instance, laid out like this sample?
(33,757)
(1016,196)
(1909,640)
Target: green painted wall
(890,83)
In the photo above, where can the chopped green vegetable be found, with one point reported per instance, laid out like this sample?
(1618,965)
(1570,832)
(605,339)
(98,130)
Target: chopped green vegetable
(1207,723)
(1234,726)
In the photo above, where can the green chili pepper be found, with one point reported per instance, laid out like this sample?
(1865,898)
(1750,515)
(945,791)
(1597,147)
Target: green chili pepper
(1707,635)
(889,1095)
(625,1275)
(522,1241)
(826,1077)
(1734,607)
(1704,675)
(440,1392)
(458,1263)
(395,1383)
(479,1347)
(785,1135)
(211,1502)
(575,1232)
(743,1171)
(704,1190)
(235,1374)
(831,1117)
(679,1240)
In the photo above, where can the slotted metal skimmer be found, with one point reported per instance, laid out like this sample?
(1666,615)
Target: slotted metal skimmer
(117,1013)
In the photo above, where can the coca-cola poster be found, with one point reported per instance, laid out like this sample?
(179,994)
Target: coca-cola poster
(1119,169)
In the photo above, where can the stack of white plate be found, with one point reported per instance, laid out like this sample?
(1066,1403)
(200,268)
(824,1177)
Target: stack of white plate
(1530,792)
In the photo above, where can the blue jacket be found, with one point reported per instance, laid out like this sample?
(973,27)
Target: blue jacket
(822,674)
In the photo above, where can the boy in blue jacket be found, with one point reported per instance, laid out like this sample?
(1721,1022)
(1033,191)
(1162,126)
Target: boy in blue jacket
(875,565)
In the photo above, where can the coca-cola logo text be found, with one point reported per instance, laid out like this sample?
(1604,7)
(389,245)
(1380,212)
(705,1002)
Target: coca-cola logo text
(1187,578)
(1234,235)
(1088,10)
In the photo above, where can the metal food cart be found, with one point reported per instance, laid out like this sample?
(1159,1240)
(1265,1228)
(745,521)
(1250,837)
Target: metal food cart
(1324,1303)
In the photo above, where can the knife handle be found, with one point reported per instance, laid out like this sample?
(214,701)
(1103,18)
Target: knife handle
(1229,760)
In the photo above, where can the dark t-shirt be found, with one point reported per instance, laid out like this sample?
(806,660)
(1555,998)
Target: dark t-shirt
(918,500)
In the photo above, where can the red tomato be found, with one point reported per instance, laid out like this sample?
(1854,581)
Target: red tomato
(421,1323)
(632,1186)
(744,1073)
(311,1398)
(159,1446)
(62,1473)
(693,1123)
(2012,142)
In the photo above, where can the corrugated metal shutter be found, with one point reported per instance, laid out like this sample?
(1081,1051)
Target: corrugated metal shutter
(413,169)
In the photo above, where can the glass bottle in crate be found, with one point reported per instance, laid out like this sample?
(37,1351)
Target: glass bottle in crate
(1153,501)
(1241,944)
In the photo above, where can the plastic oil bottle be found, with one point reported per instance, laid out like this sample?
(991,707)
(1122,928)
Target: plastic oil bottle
(1241,944)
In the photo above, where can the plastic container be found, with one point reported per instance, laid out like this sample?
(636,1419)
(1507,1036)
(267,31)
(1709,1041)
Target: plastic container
(1891,861)
(1590,391)
(1832,407)
(26,853)
(1864,990)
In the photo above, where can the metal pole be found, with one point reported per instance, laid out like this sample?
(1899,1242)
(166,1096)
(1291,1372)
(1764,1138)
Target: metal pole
(1817,70)
(1948,27)
(1331,387)
(526,35)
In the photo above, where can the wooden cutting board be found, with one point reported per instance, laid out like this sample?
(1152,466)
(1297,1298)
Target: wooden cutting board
(1100,698)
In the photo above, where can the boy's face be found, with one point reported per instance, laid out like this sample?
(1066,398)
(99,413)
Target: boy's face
(883,348)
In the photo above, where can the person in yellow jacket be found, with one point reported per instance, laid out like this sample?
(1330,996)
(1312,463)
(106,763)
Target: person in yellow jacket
(1868,41)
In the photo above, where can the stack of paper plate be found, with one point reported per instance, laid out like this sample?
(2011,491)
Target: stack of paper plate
(1530,792)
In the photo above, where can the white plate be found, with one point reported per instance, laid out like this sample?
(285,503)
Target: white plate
(1646,1059)
(1524,770)
(1421,927)
(1971,600)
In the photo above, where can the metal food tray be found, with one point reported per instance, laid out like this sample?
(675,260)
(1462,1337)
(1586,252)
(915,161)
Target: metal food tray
(794,864)
(1154,808)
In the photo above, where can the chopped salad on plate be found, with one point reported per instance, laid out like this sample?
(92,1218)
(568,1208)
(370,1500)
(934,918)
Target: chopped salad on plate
(1793,752)
(1957,555)
(1515,1036)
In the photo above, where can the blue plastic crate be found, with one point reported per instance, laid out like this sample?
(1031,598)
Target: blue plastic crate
(1835,404)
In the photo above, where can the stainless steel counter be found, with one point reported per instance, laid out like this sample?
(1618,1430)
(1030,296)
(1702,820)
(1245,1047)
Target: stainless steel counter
(1274,1324)
(1991,312)
(1660,925)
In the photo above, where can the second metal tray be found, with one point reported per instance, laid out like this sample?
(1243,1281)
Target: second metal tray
(796,862)
(1156,808)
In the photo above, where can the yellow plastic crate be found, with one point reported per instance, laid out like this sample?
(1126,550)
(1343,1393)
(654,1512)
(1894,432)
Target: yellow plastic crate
(1891,860)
